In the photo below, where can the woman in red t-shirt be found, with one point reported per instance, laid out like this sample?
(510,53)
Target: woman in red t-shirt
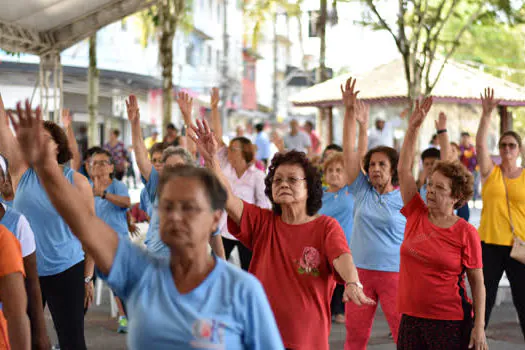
(439,247)
(297,254)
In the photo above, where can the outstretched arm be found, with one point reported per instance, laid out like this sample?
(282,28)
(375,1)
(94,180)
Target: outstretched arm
(9,146)
(352,111)
(442,135)
(207,145)
(482,147)
(67,121)
(407,183)
(185,103)
(141,153)
(98,239)
(216,124)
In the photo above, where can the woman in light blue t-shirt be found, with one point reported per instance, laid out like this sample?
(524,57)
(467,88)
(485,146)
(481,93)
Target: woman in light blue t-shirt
(379,226)
(64,271)
(192,300)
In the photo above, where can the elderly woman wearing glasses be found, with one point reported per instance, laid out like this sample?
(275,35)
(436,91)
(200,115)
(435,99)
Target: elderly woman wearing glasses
(192,300)
(501,211)
(297,254)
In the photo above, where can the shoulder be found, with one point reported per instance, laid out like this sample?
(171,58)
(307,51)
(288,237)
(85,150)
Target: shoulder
(80,181)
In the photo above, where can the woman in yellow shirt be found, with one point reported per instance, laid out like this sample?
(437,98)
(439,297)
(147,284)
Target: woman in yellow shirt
(494,230)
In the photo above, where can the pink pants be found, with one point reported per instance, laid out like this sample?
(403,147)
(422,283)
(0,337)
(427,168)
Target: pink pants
(381,287)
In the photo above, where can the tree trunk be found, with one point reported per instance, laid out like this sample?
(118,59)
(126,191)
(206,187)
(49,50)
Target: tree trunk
(168,27)
(324,116)
(93,88)
(225,88)
(275,97)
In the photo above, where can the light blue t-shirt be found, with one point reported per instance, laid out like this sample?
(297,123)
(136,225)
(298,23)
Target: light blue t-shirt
(145,203)
(112,214)
(228,310)
(379,227)
(153,241)
(263,146)
(340,206)
(57,249)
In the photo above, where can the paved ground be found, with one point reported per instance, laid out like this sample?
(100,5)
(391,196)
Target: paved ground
(504,331)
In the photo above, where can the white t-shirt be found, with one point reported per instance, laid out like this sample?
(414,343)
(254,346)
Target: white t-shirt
(19,226)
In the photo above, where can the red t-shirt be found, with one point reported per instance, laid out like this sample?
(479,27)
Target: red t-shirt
(433,265)
(294,265)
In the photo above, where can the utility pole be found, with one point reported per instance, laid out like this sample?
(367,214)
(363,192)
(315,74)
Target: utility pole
(322,71)
(275,97)
(225,89)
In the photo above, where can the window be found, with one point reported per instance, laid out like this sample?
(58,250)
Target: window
(209,55)
(190,54)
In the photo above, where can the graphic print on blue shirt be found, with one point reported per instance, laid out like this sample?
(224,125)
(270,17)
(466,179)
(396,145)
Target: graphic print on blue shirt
(228,310)
(340,206)
(379,227)
(110,213)
(57,249)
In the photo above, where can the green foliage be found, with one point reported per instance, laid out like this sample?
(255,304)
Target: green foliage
(11,53)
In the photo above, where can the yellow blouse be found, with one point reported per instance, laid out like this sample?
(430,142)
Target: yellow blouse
(495,226)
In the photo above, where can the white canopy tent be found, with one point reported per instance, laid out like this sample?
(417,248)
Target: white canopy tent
(47,27)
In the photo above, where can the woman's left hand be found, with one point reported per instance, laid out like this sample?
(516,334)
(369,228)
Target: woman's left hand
(204,139)
(356,295)
(478,340)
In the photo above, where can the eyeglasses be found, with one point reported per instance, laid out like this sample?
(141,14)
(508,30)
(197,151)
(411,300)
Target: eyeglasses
(157,161)
(100,163)
(511,145)
(292,181)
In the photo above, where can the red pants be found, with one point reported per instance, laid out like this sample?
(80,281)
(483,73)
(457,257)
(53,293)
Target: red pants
(381,287)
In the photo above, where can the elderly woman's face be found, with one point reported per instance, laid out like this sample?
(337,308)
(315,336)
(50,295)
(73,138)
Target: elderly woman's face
(156,160)
(380,169)
(289,185)
(509,148)
(335,175)
(101,165)
(439,193)
(185,214)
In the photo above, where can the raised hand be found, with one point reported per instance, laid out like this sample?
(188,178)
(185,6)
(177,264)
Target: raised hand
(215,97)
(349,94)
(441,123)
(34,144)
(185,103)
(132,107)
(362,113)
(420,112)
(356,295)
(205,140)
(487,102)
(67,119)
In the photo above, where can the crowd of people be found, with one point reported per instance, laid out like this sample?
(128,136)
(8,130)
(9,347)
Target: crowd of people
(323,235)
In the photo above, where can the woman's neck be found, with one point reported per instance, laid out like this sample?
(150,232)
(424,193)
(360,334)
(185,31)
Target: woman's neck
(190,267)
(240,169)
(295,214)
(509,168)
(442,219)
(383,189)
(334,188)
(103,180)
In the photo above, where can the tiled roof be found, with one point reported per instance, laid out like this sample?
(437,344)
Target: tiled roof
(458,84)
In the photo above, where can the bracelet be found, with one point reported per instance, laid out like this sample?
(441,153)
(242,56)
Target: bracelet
(441,131)
(356,283)
(104,194)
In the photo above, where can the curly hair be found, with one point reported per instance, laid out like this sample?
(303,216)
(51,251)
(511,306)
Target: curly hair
(392,156)
(334,158)
(461,180)
(59,137)
(312,175)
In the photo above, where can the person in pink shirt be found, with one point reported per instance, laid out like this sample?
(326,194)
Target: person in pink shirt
(314,138)
(246,180)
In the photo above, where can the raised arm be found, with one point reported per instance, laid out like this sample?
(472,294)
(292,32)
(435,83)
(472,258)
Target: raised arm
(363,114)
(216,124)
(442,135)
(9,146)
(14,298)
(98,239)
(67,122)
(351,155)
(482,148)
(407,182)
(141,153)
(207,145)
(185,103)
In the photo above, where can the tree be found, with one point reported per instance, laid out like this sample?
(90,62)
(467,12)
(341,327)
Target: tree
(93,86)
(419,35)
(163,20)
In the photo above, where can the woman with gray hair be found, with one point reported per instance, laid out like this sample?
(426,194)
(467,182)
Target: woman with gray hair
(171,157)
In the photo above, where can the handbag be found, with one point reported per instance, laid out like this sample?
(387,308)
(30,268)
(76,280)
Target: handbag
(518,245)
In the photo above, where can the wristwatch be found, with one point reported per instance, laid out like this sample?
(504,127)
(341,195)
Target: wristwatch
(88,279)
(104,194)
(357,284)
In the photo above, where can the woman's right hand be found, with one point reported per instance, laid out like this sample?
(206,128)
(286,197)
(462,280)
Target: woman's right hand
(420,112)
(132,107)
(487,102)
(441,123)
(349,96)
(34,144)
(205,140)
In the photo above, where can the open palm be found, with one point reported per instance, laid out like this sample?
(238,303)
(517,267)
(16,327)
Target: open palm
(362,113)
(67,119)
(205,140)
(420,112)
(132,107)
(349,94)
(488,102)
(33,143)
(185,103)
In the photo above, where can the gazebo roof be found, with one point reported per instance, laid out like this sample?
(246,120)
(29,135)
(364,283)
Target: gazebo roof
(458,84)
(41,26)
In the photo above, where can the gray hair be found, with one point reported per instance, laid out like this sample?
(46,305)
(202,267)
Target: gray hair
(178,151)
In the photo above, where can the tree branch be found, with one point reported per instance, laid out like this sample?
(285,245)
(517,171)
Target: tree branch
(447,16)
(373,7)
